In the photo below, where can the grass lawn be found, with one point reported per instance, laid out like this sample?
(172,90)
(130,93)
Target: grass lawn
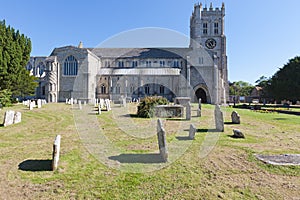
(115,156)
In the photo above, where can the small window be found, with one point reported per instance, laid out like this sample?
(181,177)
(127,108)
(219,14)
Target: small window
(216,28)
(176,63)
(103,89)
(200,60)
(205,28)
(121,64)
(148,63)
(147,89)
(161,89)
(131,88)
(134,63)
(118,89)
(162,63)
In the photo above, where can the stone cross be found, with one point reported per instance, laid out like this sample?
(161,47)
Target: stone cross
(55,154)
(235,117)
(9,118)
(192,132)
(162,144)
(188,111)
(219,121)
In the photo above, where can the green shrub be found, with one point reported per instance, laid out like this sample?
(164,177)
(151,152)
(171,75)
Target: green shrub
(146,106)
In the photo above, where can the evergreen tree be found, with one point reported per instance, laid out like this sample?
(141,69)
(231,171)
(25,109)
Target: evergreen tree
(15,51)
(285,83)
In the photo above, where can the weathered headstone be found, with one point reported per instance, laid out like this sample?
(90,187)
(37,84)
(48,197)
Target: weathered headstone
(101,102)
(107,104)
(9,118)
(71,101)
(67,101)
(162,144)
(55,154)
(17,117)
(39,103)
(84,103)
(99,110)
(198,112)
(238,134)
(79,104)
(192,132)
(188,111)
(235,118)
(199,103)
(31,105)
(219,121)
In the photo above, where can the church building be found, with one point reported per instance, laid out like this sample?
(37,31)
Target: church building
(197,71)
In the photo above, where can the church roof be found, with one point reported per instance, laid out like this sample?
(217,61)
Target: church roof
(140,52)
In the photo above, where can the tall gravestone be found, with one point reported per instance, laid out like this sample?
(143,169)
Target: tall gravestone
(9,118)
(192,132)
(188,111)
(79,104)
(39,103)
(56,151)
(219,121)
(31,105)
(199,108)
(99,109)
(162,143)
(107,104)
(235,118)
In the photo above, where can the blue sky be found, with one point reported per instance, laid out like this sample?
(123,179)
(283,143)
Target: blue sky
(262,35)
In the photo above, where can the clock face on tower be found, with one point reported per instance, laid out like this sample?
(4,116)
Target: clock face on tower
(210,43)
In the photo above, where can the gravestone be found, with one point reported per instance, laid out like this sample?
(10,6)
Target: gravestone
(182,100)
(124,101)
(17,117)
(79,104)
(31,105)
(188,111)
(162,144)
(192,132)
(99,110)
(67,101)
(199,108)
(107,104)
(39,103)
(101,102)
(9,118)
(84,103)
(219,121)
(44,102)
(238,134)
(56,151)
(235,118)
(71,101)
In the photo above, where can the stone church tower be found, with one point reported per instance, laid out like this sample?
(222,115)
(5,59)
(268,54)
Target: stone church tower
(207,31)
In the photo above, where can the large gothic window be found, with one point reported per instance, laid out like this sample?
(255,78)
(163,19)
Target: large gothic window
(103,89)
(39,70)
(70,66)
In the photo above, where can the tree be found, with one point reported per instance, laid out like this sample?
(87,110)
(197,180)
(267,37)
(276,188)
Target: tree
(285,83)
(240,88)
(15,51)
(263,82)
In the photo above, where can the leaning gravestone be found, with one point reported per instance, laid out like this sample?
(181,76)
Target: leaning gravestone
(162,144)
(17,117)
(192,132)
(55,154)
(9,118)
(235,117)
(219,121)
(188,111)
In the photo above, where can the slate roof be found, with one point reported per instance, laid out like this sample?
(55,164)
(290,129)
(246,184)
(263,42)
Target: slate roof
(140,52)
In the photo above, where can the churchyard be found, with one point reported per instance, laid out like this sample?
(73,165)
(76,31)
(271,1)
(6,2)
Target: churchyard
(115,154)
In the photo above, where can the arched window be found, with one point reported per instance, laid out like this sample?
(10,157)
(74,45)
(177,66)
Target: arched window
(161,89)
(70,66)
(39,70)
(103,89)
(118,89)
(147,89)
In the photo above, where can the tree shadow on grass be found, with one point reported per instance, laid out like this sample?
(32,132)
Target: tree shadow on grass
(138,158)
(205,130)
(36,165)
